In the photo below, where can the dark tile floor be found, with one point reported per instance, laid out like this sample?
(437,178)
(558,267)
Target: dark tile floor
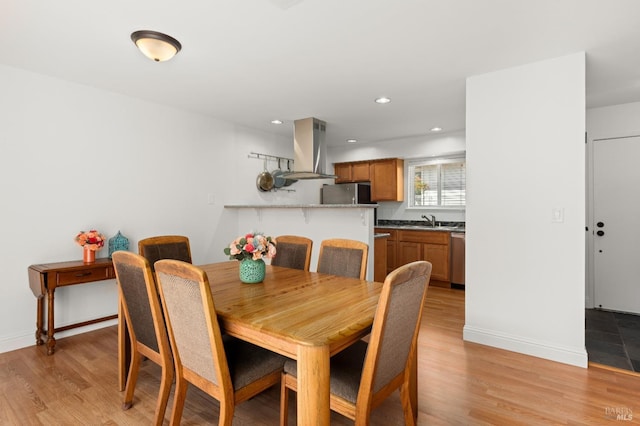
(613,338)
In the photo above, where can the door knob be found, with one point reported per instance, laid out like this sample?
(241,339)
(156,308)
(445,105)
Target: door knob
(600,233)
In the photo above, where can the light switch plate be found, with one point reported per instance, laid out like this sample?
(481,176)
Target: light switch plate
(557,215)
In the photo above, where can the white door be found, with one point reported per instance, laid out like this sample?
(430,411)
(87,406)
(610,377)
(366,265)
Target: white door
(616,223)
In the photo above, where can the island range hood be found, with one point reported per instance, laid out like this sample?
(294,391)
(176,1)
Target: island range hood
(309,150)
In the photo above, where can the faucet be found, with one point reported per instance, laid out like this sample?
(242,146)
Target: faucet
(432,220)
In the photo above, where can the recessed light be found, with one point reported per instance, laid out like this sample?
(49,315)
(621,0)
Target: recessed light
(383,100)
(436,129)
(352,140)
(276,121)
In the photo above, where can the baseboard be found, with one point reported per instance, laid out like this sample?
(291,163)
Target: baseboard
(614,369)
(531,347)
(23,341)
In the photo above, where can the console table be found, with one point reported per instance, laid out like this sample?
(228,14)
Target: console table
(45,278)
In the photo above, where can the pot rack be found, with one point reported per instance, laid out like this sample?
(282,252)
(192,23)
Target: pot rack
(259,156)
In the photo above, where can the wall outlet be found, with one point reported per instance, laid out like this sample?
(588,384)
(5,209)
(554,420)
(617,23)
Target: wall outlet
(211,199)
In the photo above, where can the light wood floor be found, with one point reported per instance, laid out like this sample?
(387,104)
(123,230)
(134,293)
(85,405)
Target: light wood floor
(459,384)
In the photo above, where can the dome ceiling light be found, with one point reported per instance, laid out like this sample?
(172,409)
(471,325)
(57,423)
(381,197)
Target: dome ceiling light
(156,46)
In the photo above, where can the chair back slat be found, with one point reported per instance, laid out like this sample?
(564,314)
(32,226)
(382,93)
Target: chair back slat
(165,247)
(290,255)
(344,257)
(394,333)
(184,307)
(136,299)
(398,330)
(293,252)
(343,261)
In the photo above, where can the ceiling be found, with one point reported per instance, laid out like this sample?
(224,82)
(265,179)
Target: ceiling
(253,61)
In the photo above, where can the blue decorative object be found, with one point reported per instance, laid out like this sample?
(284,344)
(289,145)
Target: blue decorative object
(118,242)
(252,271)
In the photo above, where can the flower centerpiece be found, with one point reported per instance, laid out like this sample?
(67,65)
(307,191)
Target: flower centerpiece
(90,241)
(251,250)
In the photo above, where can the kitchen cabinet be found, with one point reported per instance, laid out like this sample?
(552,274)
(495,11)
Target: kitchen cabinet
(406,246)
(380,258)
(387,180)
(432,246)
(352,172)
(391,254)
(386,177)
(343,171)
(390,243)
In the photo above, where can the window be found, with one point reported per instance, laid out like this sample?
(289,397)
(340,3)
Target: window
(437,182)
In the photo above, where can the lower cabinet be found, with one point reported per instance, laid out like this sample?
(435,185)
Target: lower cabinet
(438,255)
(433,246)
(380,259)
(391,248)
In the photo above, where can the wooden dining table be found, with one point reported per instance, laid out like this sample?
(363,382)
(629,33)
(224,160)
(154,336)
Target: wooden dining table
(306,316)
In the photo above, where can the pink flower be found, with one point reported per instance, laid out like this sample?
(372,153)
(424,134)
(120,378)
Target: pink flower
(92,240)
(251,246)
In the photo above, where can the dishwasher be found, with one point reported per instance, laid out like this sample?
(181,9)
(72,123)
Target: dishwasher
(457,258)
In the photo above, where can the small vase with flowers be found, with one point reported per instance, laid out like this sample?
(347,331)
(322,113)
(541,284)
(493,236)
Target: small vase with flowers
(90,242)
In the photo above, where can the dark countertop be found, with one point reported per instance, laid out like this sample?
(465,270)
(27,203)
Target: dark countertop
(415,225)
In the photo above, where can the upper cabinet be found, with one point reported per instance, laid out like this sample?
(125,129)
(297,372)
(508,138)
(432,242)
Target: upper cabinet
(352,172)
(386,177)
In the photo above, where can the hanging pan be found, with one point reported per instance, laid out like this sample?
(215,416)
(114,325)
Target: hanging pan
(278,179)
(265,180)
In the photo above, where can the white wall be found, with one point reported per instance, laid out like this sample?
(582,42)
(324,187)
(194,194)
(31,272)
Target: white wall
(73,158)
(602,123)
(408,149)
(526,157)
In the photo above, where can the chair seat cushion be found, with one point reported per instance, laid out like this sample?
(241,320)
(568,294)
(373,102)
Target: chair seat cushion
(346,371)
(248,363)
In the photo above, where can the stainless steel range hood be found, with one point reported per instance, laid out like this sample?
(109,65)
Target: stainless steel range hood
(309,150)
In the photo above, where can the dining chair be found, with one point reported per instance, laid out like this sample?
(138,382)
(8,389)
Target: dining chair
(293,251)
(165,247)
(343,257)
(228,369)
(145,323)
(363,375)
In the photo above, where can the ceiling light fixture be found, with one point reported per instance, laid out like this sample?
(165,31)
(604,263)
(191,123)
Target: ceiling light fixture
(383,100)
(276,121)
(352,140)
(156,46)
(436,129)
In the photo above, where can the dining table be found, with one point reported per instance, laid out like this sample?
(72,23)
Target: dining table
(303,315)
